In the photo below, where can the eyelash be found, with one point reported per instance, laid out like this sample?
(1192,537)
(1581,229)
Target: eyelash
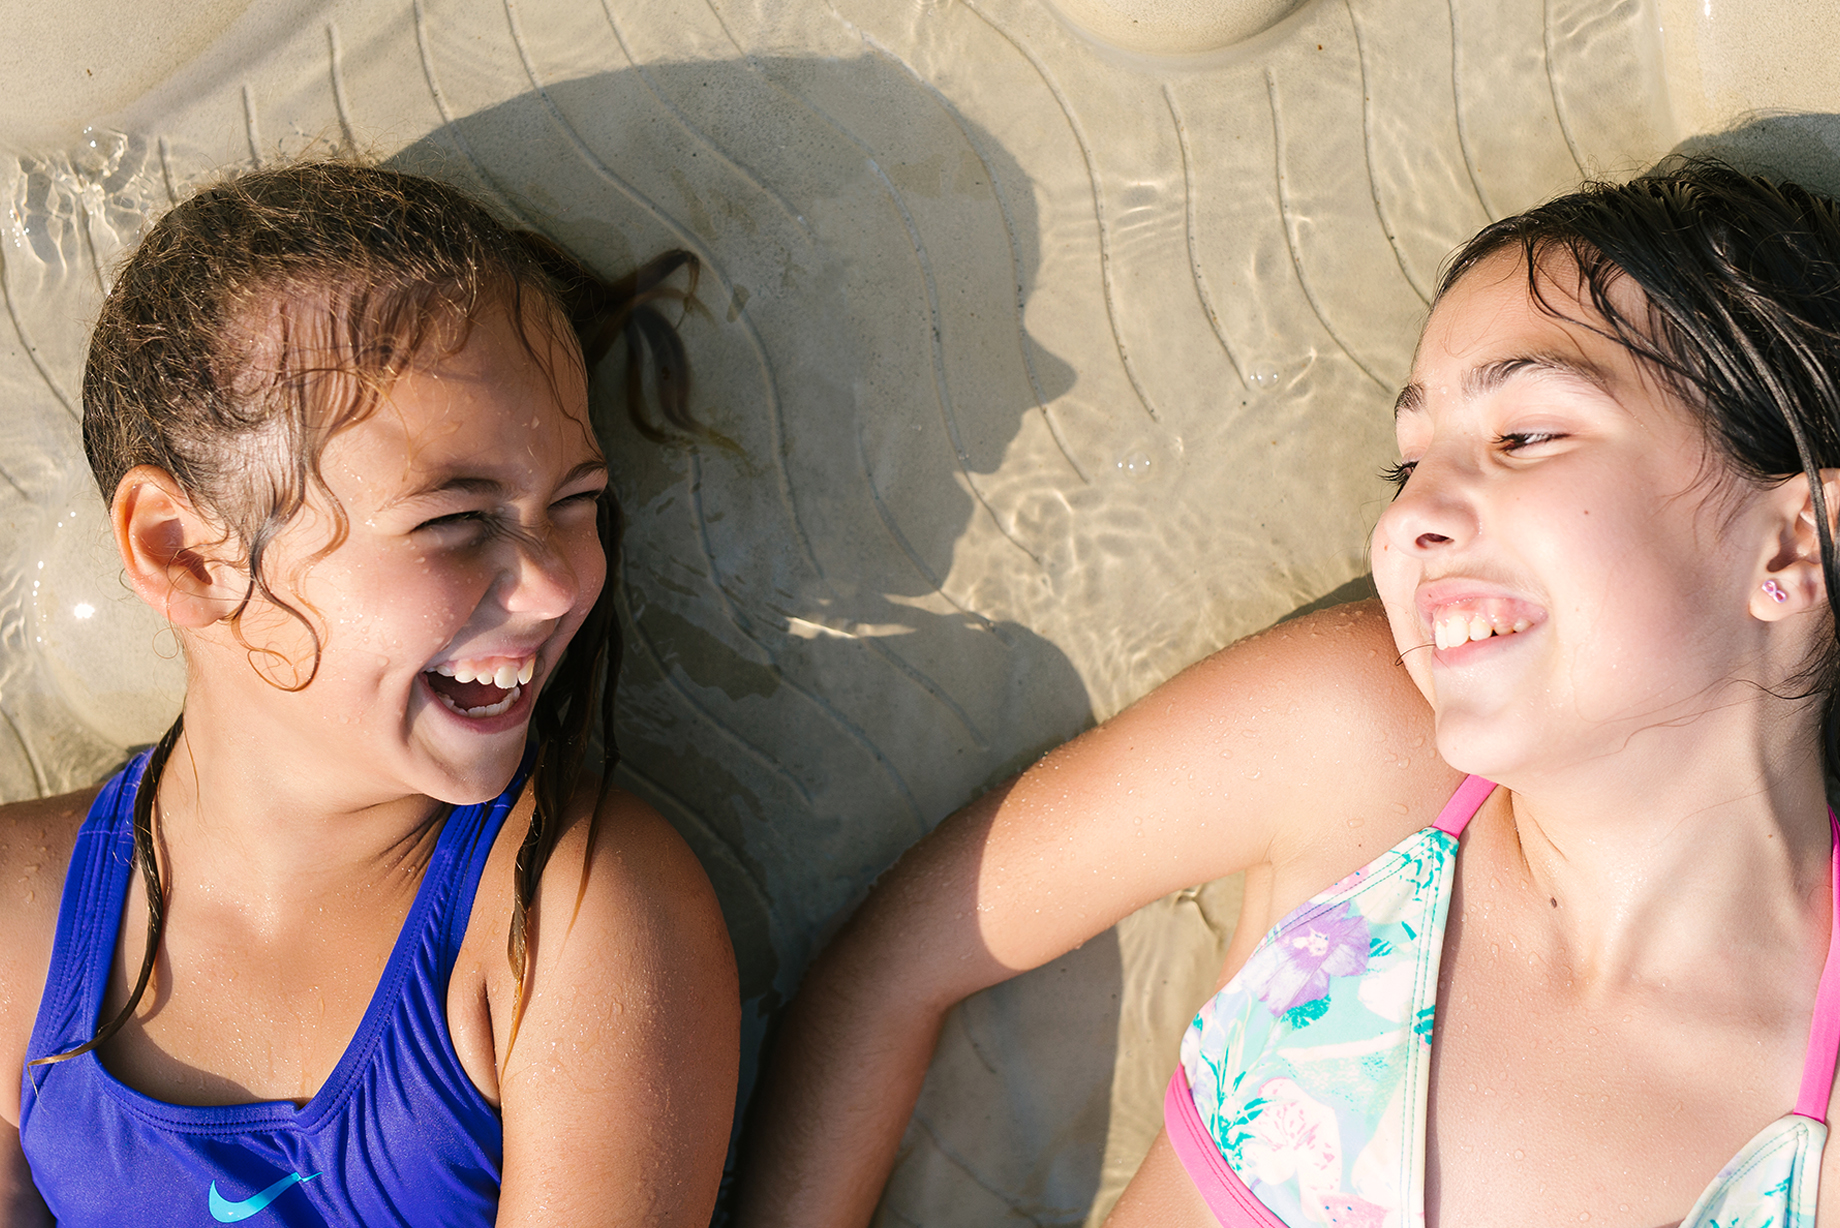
(455,518)
(488,520)
(1399,472)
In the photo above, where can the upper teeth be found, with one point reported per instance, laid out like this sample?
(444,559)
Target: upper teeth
(1456,629)
(500,673)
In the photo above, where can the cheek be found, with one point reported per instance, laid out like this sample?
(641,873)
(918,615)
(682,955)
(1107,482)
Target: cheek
(591,568)
(1395,578)
(407,602)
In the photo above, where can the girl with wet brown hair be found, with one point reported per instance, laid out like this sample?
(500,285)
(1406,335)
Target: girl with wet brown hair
(365,938)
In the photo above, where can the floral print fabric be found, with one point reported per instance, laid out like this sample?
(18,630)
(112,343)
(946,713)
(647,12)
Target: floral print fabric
(1309,1069)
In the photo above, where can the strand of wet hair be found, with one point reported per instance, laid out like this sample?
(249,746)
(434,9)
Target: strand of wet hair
(601,314)
(604,313)
(146,856)
(564,721)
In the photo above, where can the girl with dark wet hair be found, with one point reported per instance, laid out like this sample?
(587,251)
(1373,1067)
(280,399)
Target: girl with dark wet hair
(1539,923)
(365,939)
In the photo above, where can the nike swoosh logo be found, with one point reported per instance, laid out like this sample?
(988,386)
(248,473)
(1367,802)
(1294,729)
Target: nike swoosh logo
(226,1212)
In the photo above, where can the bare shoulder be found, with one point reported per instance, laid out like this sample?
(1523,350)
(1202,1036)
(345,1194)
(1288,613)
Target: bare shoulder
(1354,737)
(35,842)
(618,864)
(1299,752)
(1313,718)
(618,1090)
(618,878)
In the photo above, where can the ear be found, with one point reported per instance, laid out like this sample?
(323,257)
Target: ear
(1791,580)
(164,544)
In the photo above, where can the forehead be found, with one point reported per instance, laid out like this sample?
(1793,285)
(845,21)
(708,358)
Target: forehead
(489,396)
(1489,329)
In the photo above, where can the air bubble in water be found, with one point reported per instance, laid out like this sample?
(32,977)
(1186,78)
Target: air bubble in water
(1137,464)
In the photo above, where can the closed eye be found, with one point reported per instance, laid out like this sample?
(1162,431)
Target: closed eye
(455,519)
(586,497)
(1514,441)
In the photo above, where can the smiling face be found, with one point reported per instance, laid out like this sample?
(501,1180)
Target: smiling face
(1563,567)
(471,558)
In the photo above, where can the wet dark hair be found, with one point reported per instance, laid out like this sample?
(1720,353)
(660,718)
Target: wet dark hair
(262,316)
(1740,318)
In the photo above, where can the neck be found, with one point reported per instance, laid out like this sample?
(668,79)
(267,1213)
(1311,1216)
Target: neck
(242,819)
(1709,836)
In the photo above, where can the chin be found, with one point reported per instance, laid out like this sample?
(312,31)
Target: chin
(477,780)
(1492,748)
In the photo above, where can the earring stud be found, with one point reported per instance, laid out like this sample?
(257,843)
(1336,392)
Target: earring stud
(1775,591)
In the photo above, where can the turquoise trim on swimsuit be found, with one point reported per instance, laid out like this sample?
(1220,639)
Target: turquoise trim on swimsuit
(1302,1094)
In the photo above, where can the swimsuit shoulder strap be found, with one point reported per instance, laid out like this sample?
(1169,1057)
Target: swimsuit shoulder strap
(1464,804)
(89,918)
(1824,1030)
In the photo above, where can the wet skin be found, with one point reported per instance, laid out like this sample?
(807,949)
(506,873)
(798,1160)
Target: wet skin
(1649,888)
(296,820)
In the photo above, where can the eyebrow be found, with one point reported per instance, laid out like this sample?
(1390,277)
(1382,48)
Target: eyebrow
(450,482)
(1482,380)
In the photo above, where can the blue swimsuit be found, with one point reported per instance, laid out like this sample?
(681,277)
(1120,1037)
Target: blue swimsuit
(397,1135)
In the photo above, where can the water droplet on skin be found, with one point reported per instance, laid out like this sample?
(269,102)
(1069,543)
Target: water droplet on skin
(1137,464)
(1263,377)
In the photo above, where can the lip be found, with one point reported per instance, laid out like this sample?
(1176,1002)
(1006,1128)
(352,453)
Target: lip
(515,717)
(518,714)
(501,652)
(1497,604)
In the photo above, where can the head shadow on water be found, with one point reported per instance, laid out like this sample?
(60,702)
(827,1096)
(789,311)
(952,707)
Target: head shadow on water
(806,691)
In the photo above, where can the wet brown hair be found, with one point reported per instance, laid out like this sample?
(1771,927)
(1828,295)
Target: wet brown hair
(1740,319)
(264,315)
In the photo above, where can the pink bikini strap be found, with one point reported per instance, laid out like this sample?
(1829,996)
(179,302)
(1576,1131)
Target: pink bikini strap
(1824,1031)
(1464,804)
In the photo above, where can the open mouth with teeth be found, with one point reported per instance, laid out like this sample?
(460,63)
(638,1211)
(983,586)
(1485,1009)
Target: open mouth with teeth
(1455,629)
(481,688)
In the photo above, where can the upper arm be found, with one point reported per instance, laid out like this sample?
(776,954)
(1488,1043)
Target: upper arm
(35,844)
(619,1090)
(1285,750)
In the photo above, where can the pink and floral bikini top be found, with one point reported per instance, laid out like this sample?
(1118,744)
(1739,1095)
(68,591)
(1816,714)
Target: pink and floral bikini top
(1301,1097)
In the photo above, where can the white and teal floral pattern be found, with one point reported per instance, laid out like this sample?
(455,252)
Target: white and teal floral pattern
(1309,1069)
(1772,1183)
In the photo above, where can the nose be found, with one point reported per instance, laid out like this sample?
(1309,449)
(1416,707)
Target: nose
(1434,510)
(541,579)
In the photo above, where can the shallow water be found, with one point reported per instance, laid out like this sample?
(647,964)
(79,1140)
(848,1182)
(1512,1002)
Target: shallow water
(1054,363)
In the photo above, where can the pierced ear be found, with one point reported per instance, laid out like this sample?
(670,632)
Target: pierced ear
(1792,581)
(163,541)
